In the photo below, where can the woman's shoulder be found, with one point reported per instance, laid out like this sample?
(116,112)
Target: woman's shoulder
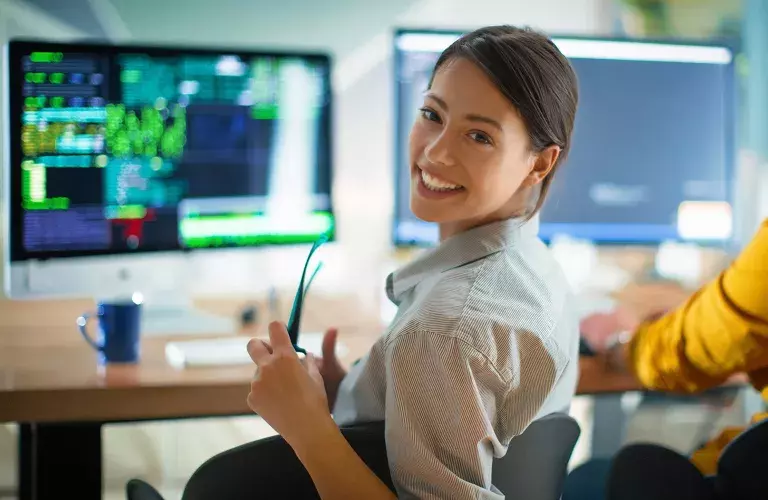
(523,282)
(521,286)
(502,307)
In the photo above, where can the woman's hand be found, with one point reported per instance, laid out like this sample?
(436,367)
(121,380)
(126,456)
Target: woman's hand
(287,393)
(330,368)
(290,395)
(638,303)
(599,329)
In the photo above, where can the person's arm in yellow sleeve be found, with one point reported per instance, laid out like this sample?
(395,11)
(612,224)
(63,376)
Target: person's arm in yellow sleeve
(721,330)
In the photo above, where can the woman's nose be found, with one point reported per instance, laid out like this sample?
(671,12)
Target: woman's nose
(438,151)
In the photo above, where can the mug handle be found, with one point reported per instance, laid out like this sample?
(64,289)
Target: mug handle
(82,322)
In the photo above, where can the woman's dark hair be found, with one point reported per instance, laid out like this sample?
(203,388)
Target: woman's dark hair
(529,69)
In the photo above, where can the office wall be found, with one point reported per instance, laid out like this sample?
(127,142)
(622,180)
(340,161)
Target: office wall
(358,35)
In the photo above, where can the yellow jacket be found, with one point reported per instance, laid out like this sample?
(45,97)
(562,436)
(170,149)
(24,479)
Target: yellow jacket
(720,331)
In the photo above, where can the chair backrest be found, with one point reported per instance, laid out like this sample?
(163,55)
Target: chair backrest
(536,462)
(269,469)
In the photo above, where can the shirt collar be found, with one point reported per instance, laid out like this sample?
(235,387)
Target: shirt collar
(458,250)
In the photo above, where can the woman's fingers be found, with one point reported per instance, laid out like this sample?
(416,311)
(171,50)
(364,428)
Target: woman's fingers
(279,338)
(258,350)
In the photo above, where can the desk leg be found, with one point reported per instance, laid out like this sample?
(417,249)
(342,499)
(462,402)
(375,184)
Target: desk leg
(609,425)
(60,460)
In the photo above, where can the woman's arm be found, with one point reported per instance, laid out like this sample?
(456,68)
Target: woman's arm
(289,395)
(337,471)
(721,330)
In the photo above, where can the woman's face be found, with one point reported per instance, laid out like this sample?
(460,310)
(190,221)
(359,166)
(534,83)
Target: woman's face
(471,161)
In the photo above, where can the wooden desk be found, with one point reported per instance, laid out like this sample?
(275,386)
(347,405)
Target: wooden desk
(64,384)
(44,365)
(595,377)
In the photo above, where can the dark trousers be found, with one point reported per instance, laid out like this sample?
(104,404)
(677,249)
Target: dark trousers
(649,471)
(269,469)
(644,471)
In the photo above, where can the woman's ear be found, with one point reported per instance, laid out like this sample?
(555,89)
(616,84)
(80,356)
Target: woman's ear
(543,163)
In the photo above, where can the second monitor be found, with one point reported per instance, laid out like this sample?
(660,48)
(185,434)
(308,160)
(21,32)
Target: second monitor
(123,157)
(652,153)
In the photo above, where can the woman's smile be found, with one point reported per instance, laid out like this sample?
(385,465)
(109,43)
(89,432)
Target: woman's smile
(433,187)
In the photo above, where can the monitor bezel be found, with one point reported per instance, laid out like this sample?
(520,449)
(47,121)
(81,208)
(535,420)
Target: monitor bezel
(731,45)
(16,47)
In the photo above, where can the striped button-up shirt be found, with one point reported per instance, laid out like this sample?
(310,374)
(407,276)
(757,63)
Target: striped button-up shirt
(485,340)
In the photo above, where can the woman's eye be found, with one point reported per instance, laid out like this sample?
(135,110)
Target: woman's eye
(430,115)
(480,137)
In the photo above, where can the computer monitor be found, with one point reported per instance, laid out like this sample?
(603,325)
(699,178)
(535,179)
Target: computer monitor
(124,159)
(653,145)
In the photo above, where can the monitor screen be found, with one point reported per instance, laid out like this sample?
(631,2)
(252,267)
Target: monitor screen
(132,149)
(652,150)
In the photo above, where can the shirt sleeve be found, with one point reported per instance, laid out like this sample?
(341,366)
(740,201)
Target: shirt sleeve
(721,330)
(448,411)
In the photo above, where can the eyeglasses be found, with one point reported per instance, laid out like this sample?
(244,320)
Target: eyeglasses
(294,320)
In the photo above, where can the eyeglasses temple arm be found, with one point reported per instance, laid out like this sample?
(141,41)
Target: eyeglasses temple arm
(295,317)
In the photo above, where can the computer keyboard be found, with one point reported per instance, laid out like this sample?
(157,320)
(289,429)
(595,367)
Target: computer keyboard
(156,321)
(230,351)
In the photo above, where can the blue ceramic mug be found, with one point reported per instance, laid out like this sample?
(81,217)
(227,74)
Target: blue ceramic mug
(118,331)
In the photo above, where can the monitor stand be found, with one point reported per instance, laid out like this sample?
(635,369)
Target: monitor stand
(179,317)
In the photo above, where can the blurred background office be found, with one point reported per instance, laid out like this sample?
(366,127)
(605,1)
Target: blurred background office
(661,219)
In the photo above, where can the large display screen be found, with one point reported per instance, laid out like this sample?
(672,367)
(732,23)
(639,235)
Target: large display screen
(652,150)
(133,149)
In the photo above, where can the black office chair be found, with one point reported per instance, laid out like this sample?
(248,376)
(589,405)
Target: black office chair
(534,467)
(248,470)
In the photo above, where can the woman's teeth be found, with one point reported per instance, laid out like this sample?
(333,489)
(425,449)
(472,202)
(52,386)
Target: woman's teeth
(435,184)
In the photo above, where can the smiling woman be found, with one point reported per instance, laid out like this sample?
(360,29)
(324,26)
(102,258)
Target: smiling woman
(485,340)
